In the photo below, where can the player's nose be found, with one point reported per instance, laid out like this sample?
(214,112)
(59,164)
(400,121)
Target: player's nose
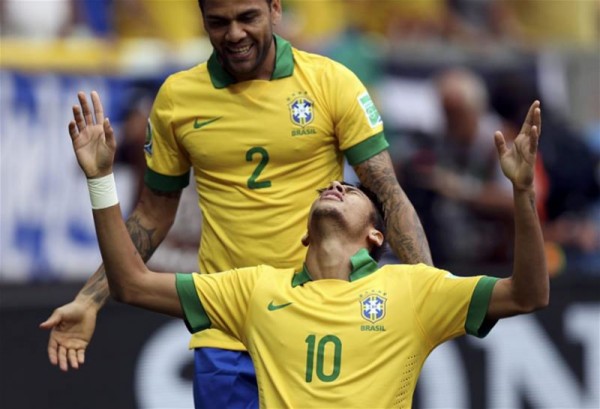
(336,185)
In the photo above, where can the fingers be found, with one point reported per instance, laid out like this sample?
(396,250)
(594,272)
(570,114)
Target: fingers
(500,143)
(73,132)
(534,140)
(72,356)
(53,351)
(67,357)
(81,356)
(83,115)
(531,118)
(87,113)
(62,358)
(534,120)
(98,110)
(537,119)
(78,117)
(50,323)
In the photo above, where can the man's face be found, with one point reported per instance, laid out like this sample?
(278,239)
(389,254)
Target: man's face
(345,205)
(241,32)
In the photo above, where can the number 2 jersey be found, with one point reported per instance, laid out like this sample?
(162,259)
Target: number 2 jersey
(258,150)
(335,343)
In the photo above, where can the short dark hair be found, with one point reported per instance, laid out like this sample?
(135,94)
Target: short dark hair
(202,2)
(378,220)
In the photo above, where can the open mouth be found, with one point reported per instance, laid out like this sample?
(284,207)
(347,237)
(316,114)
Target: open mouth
(240,51)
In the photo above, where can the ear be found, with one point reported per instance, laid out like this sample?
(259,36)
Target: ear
(375,238)
(276,12)
(305,240)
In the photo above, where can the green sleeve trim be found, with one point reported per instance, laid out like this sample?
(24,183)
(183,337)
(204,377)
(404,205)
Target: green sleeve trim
(366,149)
(165,183)
(476,323)
(193,311)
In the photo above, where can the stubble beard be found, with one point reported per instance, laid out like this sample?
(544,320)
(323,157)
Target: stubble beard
(328,218)
(251,68)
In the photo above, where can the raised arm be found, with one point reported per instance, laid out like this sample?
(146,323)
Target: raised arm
(147,225)
(528,288)
(404,231)
(72,325)
(129,279)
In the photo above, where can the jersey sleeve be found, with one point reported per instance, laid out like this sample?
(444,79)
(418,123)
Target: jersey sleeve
(448,306)
(168,166)
(217,300)
(358,124)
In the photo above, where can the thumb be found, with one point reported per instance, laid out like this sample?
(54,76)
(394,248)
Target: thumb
(51,322)
(500,143)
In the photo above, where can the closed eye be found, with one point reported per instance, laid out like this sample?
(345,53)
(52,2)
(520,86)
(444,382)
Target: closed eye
(217,22)
(348,187)
(249,17)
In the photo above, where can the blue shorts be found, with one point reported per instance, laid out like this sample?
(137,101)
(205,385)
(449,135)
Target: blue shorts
(224,379)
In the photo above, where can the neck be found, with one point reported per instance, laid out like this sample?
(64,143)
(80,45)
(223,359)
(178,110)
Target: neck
(269,65)
(330,259)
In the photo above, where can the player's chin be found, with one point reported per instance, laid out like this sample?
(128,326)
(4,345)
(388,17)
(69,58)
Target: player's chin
(241,62)
(328,209)
(242,69)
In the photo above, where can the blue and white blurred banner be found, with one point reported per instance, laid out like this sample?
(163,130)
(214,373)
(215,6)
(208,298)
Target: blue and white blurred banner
(46,226)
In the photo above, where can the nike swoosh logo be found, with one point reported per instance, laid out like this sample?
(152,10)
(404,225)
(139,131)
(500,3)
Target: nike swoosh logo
(200,124)
(273,307)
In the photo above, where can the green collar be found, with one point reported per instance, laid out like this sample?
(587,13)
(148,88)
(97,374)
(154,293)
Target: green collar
(284,65)
(362,266)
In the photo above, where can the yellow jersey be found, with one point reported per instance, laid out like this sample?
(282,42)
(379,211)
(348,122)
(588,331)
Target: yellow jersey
(334,343)
(258,150)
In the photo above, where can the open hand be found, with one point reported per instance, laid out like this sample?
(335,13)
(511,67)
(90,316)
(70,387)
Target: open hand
(93,139)
(72,327)
(518,162)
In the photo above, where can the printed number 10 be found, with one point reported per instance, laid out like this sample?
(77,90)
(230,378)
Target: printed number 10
(310,358)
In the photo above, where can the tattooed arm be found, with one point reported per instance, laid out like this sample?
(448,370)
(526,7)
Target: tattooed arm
(72,325)
(404,231)
(148,225)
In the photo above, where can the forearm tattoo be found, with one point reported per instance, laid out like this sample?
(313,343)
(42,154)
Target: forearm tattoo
(533,205)
(141,237)
(97,286)
(404,231)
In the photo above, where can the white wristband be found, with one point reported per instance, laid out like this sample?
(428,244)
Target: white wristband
(103,192)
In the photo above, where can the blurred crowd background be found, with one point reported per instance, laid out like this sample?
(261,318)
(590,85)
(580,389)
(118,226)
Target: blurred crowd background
(445,74)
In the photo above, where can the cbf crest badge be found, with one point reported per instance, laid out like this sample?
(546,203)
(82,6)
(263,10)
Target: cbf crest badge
(373,307)
(301,111)
(148,141)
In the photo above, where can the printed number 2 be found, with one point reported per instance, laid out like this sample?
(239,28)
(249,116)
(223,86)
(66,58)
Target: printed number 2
(310,358)
(264,159)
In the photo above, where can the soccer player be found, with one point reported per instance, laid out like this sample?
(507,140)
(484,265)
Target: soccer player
(260,124)
(340,332)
